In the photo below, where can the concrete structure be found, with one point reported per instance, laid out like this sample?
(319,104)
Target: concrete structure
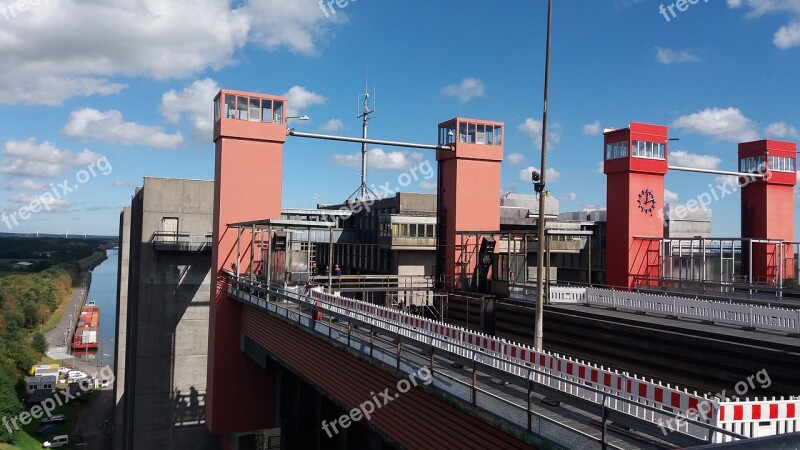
(469,180)
(162,328)
(40,382)
(249,132)
(635,165)
(768,207)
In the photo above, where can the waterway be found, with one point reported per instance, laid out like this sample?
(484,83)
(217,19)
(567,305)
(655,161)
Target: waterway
(103,292)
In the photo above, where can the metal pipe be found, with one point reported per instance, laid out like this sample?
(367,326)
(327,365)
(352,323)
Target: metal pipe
(328,137)
(252,252)
(238,250)
(717,172)
(539,336)
(268,279)
(330,260)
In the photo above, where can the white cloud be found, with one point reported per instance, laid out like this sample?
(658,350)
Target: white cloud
(120,183)
(89,123)
(600,168)
(785,37)
(782,130)
(58,50)
(32,185)
(569,197)
(669,56)
(552,174)
(466,90)
(728,124)
(761,7)
(670,197)
(300,98)
(788,36)
(729,181)
(27,158)
(427,185)
(193,103)
(298,25)
(533,129)
(56,204)
(592,129)
(515,159)
(686,159)
(331,126)
(379,159)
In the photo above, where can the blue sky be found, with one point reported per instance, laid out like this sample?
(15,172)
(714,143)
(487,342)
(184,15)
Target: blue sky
(127,87)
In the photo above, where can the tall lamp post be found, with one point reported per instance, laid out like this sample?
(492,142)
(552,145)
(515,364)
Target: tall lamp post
(539,186)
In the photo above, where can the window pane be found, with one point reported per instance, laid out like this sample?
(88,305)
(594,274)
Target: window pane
(481,136)
(255,109)
(277,116)
(471,134)
(498,135)
(216,109)
(230,106)
(266,110)
(462,132)
(242,108)
(490,135)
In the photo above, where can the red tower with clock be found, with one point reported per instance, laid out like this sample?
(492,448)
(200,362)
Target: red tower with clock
(635,163)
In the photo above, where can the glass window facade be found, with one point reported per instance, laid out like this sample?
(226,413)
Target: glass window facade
(253,109)
(781,164)
(616,150)
(753,164)
(650,150)
(471,133)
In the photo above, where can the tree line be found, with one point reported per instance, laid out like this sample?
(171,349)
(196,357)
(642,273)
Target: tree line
(26,302)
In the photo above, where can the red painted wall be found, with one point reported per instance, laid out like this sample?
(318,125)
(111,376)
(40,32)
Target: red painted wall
(768,211)
(470,190)
(627,178)
(414,420)
(247,186)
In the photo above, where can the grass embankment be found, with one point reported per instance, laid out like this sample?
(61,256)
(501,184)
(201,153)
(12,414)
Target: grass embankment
(91,261)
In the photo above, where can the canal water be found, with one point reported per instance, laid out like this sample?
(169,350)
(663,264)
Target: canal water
(103,292)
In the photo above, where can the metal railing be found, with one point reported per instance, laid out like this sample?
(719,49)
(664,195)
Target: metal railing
(359,283)
(612,407)
(175,241)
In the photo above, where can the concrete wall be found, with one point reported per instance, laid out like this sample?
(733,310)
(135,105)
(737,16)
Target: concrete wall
(167,320)
(121,323)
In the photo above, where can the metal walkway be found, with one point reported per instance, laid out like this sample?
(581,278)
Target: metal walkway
(574,406)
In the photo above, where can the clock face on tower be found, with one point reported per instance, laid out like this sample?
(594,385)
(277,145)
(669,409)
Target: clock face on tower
(647,201)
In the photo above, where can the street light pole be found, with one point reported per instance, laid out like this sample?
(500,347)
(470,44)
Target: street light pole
(539,334)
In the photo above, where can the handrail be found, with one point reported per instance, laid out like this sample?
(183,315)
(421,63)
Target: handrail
(478,355)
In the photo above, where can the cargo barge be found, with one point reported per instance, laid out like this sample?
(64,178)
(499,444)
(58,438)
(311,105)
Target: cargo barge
(85,337)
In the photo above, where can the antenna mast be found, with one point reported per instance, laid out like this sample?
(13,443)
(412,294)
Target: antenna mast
(363,189)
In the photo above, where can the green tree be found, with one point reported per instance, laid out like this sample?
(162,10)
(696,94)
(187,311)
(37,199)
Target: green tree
(10,405)
(39,343)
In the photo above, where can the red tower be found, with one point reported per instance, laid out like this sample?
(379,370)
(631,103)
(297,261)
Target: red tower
(768,207)
(635,165)
(469,189)
(249,132)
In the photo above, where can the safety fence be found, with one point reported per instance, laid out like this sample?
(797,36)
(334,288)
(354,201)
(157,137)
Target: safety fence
(757,317)
(567,375)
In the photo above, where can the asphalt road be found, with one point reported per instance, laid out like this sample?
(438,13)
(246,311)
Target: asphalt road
(101,406)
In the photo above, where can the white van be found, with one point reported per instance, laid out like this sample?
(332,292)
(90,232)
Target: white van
(57,441)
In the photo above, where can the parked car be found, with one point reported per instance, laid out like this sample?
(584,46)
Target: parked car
(57,441)
(76,375)
(58,418)
(64,370)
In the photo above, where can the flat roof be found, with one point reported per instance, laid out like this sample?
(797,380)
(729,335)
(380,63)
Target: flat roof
(284,223)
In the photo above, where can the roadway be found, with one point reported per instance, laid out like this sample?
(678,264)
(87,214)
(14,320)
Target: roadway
(549,417)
